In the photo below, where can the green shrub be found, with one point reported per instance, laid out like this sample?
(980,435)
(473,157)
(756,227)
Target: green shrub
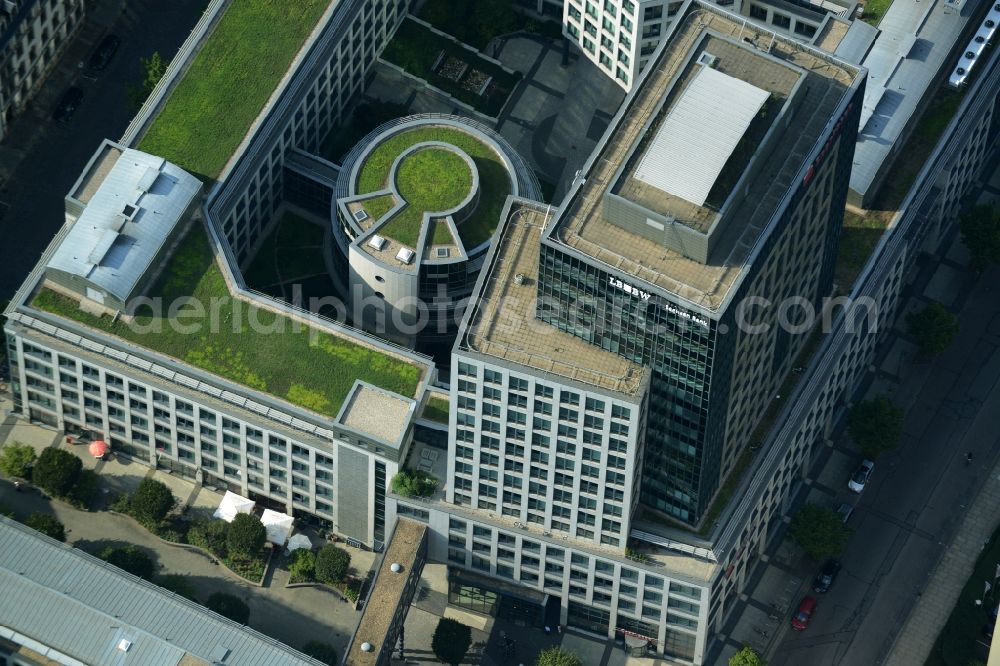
(451,641)
(151,501)
(246,536)
(47,524)
(332,564)
(229,606)
(557,656)
(352,591)
(130,558)
(210,535)
(16,460)
(302,565)
(414,484)
(56,471)
(84,493)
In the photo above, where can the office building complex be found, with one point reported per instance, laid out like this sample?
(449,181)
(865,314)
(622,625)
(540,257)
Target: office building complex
(621,36)
(603,383)
(417,203)
(33,34)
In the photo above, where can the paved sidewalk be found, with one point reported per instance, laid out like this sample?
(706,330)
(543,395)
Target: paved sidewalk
(914,643)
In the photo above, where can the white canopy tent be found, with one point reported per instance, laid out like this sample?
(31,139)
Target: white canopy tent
(278,526)
(298,542)
(233,504)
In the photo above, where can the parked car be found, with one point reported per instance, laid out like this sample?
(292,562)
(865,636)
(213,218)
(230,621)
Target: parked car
(861,476)
(807,607)
(824,579)
(844,510)
(104,52)
(68,105)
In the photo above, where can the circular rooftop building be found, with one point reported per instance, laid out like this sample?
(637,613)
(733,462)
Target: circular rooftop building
(417,202)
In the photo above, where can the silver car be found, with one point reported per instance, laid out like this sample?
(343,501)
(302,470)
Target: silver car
(861,476)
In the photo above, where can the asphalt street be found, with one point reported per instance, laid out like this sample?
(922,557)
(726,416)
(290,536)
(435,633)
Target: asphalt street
(50,155)
(907,513)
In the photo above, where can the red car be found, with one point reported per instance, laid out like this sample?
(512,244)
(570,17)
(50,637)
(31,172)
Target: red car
(805,612)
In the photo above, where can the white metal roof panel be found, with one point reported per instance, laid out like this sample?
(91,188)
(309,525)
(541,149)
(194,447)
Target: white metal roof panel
(81,607)
(101,230)
(699,134)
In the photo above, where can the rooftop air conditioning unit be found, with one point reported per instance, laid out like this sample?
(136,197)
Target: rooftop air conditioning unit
(377,242)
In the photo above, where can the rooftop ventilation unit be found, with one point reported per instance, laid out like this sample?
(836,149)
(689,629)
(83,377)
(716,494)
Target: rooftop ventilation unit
(519,278)
(129,211)
(147,179)
(404,255)
(707,59)
(124,645)
(360,215)
(443,252)
(377,242)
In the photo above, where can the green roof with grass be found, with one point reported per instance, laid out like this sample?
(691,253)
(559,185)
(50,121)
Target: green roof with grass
(307,367)
(429,180)
(237,69)
(433,180)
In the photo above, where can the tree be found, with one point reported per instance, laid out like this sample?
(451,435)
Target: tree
(875,425)
(413,484)
(16,460)
(56,471)
(747,656)
(210,535)
(246,536)
(130,558)
(981,234)
(46,524)
(302,565)
(151,501)
(451,641)
(933,328)
(319,650)
(820,531)
(332,564)
(228,605)
(556,656)
(153,70)
(85,490)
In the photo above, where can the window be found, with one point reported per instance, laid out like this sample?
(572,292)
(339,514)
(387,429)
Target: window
(781,21)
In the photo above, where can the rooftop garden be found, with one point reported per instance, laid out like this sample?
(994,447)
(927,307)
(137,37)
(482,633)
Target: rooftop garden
(245,344)
(874,11)
(450,67)
(429,180)
(440,234)
(494,182)
(226,86)
(437,409)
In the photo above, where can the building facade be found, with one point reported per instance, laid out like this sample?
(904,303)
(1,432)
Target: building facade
(33,34)
(621,36)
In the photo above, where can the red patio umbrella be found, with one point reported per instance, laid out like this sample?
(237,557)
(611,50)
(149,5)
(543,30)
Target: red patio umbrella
(99,448)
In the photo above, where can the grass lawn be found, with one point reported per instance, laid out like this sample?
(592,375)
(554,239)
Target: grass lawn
(955,645)
(310,369)
(227,85)
(415,48)
(437,409)
(858,239)
(430,180)
(294,248)
(376,207)
(494,183)
(875,10)
(440,233)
